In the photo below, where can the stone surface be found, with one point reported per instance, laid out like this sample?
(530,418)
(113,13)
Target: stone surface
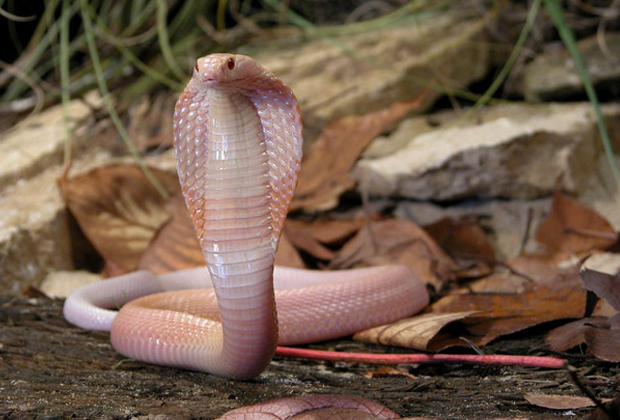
(59,284)
(34,232)
(510,151)
(554,76)
(364,71)
(509,225)
(38,142)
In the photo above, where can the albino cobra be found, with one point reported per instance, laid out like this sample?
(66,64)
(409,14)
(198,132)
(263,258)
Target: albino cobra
(238,144)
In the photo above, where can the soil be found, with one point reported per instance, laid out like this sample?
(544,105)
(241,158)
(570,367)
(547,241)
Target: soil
(52,370)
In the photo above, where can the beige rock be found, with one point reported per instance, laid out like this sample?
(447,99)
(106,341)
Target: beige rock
(38,142)
(512,151)
(61,283)
(34,232)
(384,65)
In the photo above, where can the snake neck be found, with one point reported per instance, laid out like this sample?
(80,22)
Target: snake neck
(228,195)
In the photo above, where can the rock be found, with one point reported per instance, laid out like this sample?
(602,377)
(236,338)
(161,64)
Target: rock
(38,142)
(59,284)
(512,151)
(388,64)
(34,232)
(507,223)
(554,76)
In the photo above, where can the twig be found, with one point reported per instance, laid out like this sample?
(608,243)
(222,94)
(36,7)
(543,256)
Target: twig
(572,372)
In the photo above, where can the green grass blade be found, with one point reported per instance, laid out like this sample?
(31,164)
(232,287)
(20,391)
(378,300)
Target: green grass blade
(569,41)
(164,40)
(514,55)
(64,77)
(105,94)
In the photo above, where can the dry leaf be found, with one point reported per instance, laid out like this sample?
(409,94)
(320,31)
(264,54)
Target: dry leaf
(397,241)
(287,255)
(312,237)
(573,229)
(599,334)
(506,313)
(175,247)
(324,174)
(572,334)
(386,371)
(461,239)
(558,402)
(414,333)
(119,210)
(604,285)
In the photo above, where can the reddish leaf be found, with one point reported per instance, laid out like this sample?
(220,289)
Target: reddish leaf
(506,313)
(604,285)
(573,229)
(312,237)
(462,239)
(559,402)
(572,334)
(176,246)
(119,210)
(397,241)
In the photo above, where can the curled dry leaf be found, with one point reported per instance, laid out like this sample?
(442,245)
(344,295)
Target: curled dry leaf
(572,229)
(119,210)
(558,402)
(324,174)
(397,241)
(415,333)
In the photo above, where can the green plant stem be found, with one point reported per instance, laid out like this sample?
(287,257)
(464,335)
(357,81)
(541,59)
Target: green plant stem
(569,41)
(105,94)
(514,55)
(64,77)
(164,40)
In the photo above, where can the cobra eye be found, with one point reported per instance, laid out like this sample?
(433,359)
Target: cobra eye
(196,66)
(231,63)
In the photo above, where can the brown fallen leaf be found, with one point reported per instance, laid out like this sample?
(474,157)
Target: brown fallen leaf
(287,255)
(397,241)
(558,402)
(414,333)
(324,173)
(606,286)
(118,210)
(312,237)
(601,335)
(387,371)
(506,313)
(572,229)
(462,239)
(175,247)
(466,242)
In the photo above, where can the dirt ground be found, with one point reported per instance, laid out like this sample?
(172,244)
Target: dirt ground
(52,370)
